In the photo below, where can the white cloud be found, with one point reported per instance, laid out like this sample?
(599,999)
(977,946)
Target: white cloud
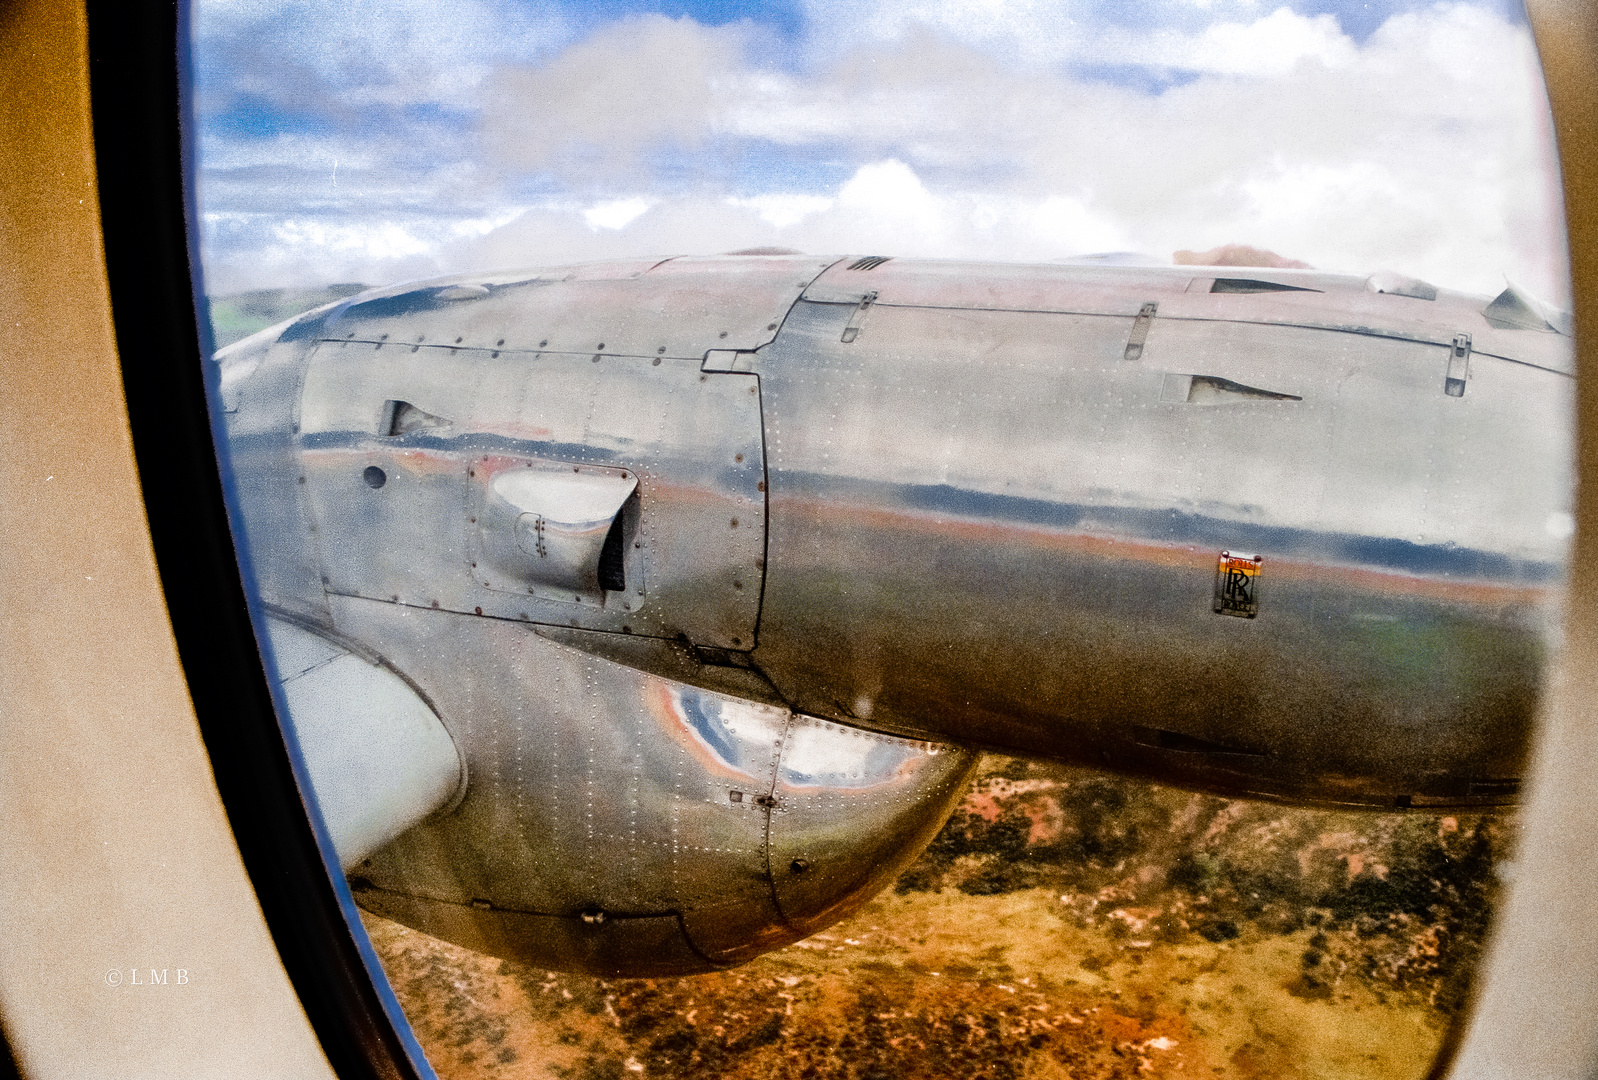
(1039,35)
(313,250)
(1270,46)
(601,106)
(387,240)
(482,226)
(1071,226)
(884,207)
(1424,149)
(614,214)
(783,211)
(888,189)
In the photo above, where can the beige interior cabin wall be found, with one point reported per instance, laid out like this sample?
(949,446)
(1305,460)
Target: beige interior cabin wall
(115,852)
(1536,1008)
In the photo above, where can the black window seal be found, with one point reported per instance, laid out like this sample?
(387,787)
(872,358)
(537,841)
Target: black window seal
(139,86)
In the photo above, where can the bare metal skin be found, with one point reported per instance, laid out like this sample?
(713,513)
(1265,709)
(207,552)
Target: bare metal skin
(719,571)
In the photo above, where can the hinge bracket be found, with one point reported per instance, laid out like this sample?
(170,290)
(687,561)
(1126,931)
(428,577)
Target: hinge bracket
(852,331)
(1140,330)
(1458,366)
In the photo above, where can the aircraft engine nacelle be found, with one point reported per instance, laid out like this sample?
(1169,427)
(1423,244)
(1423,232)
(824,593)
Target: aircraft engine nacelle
(616,822)
(707,569)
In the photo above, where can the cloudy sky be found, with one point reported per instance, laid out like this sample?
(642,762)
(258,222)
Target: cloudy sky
(385,140)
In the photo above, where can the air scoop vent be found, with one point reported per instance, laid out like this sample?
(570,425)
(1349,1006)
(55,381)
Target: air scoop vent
(556,532)
(1516,309)
(402,418)
(1250,285)
(1210,390)
(870,262)
(1393,284)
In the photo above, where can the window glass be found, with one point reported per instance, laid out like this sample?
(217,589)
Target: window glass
(822,540)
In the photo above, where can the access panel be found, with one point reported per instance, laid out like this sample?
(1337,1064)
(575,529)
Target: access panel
(613,493)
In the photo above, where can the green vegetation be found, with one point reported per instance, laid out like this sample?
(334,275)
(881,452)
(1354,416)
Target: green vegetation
(236,317)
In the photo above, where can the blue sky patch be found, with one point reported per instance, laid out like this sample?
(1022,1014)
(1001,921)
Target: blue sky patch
(786,18)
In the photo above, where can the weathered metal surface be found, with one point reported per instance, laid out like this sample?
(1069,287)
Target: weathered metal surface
(1001,504)
(279,552)
(671,307)
(994,509)
(1307,298)
(598,789)
(692,442)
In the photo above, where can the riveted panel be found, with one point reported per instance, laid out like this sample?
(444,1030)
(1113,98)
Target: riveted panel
(408,511)
(849,811)
(597,790)
(676,307)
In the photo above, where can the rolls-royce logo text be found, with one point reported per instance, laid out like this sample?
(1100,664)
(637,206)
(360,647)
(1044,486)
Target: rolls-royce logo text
(1236,584)
(147,977)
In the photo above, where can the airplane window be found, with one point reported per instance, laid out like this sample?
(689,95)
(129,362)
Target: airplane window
(785,547)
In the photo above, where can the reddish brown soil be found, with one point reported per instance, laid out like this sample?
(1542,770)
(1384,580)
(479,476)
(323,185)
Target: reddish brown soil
(1062,925)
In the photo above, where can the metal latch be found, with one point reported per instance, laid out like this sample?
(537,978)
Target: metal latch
(852,331)
(1140,330)
(728,360)
(1458,366)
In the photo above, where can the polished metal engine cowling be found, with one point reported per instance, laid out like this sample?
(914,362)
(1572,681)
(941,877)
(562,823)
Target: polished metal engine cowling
(619,822)
(706,566)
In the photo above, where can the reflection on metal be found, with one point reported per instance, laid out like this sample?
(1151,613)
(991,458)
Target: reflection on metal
(688,535)
(378,757)
(1237,579)
(675,811)
(463,292)
(1458,366)
(1140,331)
(1393,284)
(848,804)
(989,428)
(1517,309)
(1185,744)
(545,527)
